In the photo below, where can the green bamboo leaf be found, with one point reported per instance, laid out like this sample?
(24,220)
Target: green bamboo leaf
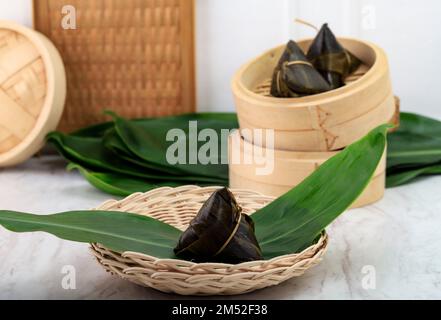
(413,150)
(416,142)
(91,153)
(287,225)
(293,221)
(115,230)
(120,185)
(98,130)
(148,141)
(405,176)
(99,148)
(94,131)
(113,142)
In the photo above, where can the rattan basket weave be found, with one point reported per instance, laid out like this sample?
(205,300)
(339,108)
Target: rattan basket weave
(177,206)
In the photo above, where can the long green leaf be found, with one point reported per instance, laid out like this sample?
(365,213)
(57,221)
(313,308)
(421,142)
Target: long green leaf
(98,130)
(91,153)
(148,140)
(117,231)
(112,141)
(417,141)
(94,131)
(405,176)
(414,150)
(120,185)
(287,225)
(293,221)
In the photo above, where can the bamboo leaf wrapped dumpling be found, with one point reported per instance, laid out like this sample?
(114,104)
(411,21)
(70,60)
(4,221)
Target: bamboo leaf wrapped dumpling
(220,232)
(295,76)
(329,57)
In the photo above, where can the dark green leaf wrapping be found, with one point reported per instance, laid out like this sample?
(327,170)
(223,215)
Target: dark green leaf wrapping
(333,61)
(220,232)
(294,80)
(243,246)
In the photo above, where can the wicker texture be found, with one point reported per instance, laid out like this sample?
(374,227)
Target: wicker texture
(134,57)
(177,206)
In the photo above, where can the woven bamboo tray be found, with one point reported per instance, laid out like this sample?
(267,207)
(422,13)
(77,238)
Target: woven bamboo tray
(135,57)
(32,91)
(322,122)
(290,169)
(177,206)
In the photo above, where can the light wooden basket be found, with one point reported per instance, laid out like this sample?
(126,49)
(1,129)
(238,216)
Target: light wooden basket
(290,168)
(32,91)
(134,57)
(178,206)
(322,122)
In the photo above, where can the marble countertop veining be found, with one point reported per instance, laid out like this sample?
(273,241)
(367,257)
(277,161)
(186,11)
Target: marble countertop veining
(390,250)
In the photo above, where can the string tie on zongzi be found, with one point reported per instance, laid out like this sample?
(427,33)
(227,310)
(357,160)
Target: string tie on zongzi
(230,237)
(290,63)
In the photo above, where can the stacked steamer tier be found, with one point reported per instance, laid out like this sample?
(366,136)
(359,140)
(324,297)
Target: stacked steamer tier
(311,129)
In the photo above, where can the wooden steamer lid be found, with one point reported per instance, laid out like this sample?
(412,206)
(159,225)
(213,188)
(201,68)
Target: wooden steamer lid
(32,91)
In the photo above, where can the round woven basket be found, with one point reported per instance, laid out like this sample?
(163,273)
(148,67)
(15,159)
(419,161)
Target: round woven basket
(177,207)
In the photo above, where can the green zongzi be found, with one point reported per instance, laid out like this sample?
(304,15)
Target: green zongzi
(295,76)
(220,232)
(329,57)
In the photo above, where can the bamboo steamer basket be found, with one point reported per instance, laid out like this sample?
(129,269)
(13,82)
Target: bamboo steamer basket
(32,91)
(322,122)
(290,169)
(177,207)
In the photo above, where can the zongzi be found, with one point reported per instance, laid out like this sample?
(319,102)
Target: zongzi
(220,232)
(295,76)
(330,58)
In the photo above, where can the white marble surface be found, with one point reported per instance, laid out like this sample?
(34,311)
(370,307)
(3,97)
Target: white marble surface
(399,237)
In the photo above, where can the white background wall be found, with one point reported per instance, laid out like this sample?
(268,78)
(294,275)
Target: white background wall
(230,32)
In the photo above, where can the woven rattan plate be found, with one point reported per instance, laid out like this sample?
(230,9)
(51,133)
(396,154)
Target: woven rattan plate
(177,206)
